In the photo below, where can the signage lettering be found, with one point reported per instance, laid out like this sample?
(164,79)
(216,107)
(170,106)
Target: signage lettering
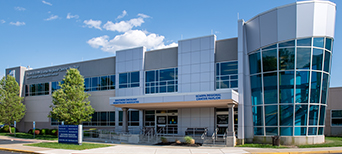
(47,73)
(68,134)
(126,101)
(208,97)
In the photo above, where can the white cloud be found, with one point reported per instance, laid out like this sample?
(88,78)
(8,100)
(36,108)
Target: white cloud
(2,21)
(17,23)
(93,23)
(52,17)
(69,16)
(124,13)
(123,26)
(47,3)
(143,15)
(130,39)
(19,8)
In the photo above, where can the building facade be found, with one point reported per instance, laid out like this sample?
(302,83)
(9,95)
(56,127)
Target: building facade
(274,79)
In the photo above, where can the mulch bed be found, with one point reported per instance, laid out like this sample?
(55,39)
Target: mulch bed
(180,144)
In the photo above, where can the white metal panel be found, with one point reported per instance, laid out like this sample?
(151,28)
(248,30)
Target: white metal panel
(330,28)
(253,34)
(204,86)
(195,87)
(186,46)
(205,43)
(205,76)
(268,28)
(287,22)
(195,44)
(305,13)
(320,18)
(195,57)
(205,56)
(128,66)
(185,87)
(186,58)
(195,68)
(186,78)
(195,77)
(205,67)
(186,69)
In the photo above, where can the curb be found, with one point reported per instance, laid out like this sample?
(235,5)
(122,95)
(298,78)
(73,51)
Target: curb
(17,150)
(301,152)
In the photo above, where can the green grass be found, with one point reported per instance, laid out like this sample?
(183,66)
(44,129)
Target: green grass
(55,145)
(329,142)
(30,136)
(260,146)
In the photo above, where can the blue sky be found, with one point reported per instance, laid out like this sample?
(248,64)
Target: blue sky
(41,33)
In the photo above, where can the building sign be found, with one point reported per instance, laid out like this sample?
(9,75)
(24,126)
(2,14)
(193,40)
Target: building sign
(68,134)
(126,101)
(48,72)
(208,97)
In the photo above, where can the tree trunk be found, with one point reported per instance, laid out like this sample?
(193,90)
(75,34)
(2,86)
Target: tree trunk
(10,130)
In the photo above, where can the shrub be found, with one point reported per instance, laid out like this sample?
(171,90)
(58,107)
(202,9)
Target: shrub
(163,139)
(5,128)
(44,131)
(54,132)
(30,131)
(37,132)
(188,139)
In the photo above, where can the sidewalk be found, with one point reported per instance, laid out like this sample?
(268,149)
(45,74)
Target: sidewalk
(14,144)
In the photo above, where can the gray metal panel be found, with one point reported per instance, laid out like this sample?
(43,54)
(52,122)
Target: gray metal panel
(253,34)
(163,58)
(98,67)
(330,28)
(287,23)
(305,15)
(268,28)
(226,50)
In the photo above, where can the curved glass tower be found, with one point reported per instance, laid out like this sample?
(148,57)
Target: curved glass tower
(287,56)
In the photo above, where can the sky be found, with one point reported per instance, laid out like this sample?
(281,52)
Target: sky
(42,33)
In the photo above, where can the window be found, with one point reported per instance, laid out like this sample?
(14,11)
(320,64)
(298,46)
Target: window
(336,117)
(133,118)
(37,89)
(286,58)
(254,63)
(129,80)
(101,83)
(161,81)
(227,75)
(54,86)
(150,118)
(54,122)
(106,118)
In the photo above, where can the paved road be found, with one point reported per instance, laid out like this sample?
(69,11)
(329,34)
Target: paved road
(10,152)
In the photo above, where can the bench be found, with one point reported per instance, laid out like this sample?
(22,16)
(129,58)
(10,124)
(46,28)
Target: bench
(195,131)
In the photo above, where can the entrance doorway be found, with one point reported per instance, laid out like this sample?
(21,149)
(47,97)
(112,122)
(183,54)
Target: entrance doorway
(222,116)
(166,121)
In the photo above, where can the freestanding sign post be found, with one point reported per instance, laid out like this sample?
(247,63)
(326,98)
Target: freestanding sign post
(70,134)
(34,128)
(15,126)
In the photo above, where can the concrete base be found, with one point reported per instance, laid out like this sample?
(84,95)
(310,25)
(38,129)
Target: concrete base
(291,140)
(231,141)
(240,141)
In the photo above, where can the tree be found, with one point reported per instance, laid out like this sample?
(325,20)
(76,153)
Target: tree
(70,102)
(11,108)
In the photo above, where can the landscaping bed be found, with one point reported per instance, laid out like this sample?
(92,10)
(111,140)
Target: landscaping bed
(180,144)
(55,145)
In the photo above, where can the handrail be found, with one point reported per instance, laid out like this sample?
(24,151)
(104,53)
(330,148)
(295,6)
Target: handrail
(204,134)
(214,136)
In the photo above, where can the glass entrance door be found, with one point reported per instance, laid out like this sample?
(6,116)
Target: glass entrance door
(167,121)
(222,120)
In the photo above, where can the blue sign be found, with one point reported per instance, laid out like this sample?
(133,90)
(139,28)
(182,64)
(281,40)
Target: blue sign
(126,101)
(68,134)
(34,125)
(208,97)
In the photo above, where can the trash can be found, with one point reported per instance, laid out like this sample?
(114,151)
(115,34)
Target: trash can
(276,140)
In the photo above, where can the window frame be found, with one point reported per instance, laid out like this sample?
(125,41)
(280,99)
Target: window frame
(331,118)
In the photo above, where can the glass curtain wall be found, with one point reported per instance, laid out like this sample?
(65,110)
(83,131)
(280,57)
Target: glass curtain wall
(227,75)
(289,86)
(161,81)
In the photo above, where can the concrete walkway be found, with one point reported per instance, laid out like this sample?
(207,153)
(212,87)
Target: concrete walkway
(14,144)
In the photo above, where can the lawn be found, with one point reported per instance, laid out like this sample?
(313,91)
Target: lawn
(329,142)
(55,145)
(261,146)
(30,136)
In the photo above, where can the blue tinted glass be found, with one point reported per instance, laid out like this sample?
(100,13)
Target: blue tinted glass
(320,130)
(94,83)
(302,86)
(123,86)
(255,63)
(171,88)
(112,81)
(134,77)
(327,62)
(229,68)
(301,115)
(272,131)
(150,76)
(123,78)
(258,131)
(318,42)
(286,58)
(217,85)
(312,131)
(147,90)
(325,88)
(162,89)
(271,115)
(328,43)
(104,81)
(322,115)
(256,89)
(317,59)
(167,74)
(286,87)
(313,115)
(269,60)
(134,85)
(303,58)
(286,115)
(162,83)
(234,77)
(270,47)
(270,88)
(224,84)
(257,116)
(286,44)
(286,131)
(54,86)
(225,78)
(304,42)
(315,87)
(299,131)
(234,84)
(217,68)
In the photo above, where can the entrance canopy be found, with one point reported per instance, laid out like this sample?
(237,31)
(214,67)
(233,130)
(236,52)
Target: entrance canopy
(220,98)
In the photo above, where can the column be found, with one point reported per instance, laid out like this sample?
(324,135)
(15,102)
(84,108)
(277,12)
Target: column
(124,120)
(231,120)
